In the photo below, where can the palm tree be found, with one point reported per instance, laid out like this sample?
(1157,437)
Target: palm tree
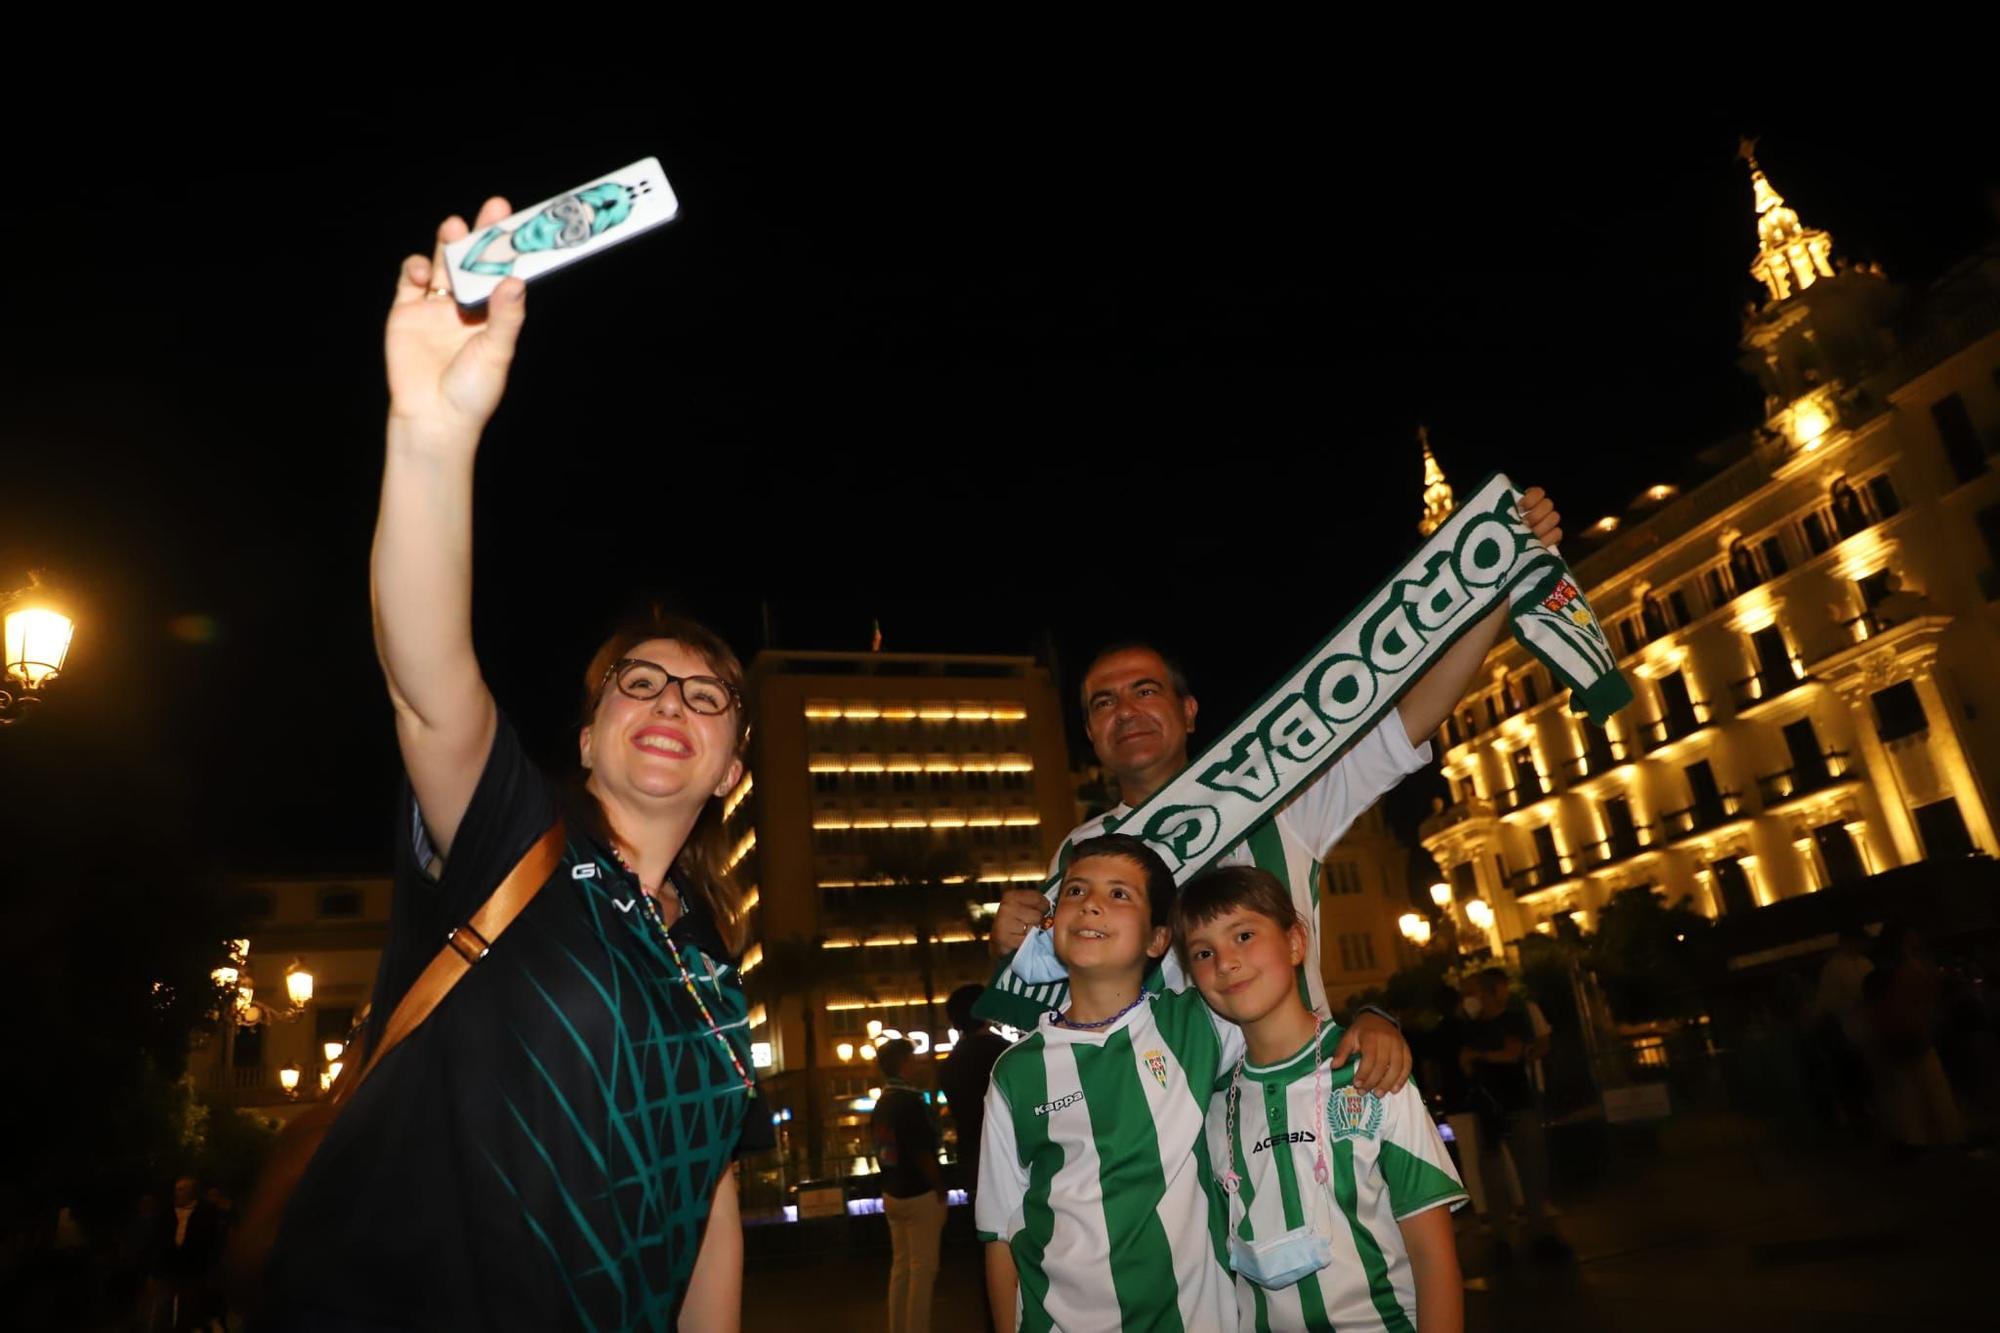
(922,885)
(801,970)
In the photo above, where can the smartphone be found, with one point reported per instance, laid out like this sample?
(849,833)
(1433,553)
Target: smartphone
(557,232)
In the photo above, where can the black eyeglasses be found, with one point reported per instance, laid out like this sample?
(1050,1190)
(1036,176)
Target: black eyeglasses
(638,679)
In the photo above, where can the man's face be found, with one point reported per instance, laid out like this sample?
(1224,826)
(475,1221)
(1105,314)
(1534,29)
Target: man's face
(183,1192)
(1135,719)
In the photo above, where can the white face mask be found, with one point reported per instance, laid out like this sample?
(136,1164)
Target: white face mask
(1473,1008)
(1281,1260)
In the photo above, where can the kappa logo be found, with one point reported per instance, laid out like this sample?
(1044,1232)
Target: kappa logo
(1050,1108)
(1351,1114)
(1157,1063)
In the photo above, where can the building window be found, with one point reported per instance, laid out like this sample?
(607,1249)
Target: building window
(1899,713)
(905,783)
(1942,829)
(1882,497)
(1717,585)
(1961,440)
(256,905)
(339,902)
(1819,537)
(868,784)
(1655,614)
(979,782)
(1492,710)
(1677,603)
(1014,781)
(825,784)
(1631,637)
(1343,877)
(844,1022)
(1773,553)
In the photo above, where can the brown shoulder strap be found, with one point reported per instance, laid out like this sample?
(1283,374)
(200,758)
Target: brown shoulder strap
(464,946)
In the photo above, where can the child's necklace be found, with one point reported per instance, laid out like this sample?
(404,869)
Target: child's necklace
(1064,1020)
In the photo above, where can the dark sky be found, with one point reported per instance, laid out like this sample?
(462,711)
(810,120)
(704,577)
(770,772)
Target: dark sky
(1005,373)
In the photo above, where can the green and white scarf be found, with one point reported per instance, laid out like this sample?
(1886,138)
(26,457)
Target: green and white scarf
(1345,688)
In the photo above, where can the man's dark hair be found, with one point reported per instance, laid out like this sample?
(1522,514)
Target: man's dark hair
(1227,888)
(1493,976)
(1160,890)
(958,1005)
(1176,675)
(892,1055)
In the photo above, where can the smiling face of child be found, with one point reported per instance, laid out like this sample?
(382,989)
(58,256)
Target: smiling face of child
(1103,919)
(1244,963)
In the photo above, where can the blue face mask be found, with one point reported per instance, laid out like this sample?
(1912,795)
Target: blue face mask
(1281,1260)
(1035,962)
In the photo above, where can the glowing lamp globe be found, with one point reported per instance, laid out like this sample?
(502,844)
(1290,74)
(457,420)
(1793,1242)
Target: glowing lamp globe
(38,639)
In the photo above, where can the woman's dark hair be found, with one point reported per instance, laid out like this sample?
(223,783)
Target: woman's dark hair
(1160,889)
(701,871)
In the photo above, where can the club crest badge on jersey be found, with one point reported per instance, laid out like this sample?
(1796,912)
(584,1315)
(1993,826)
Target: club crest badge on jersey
(1158,1064)
(1351,1114)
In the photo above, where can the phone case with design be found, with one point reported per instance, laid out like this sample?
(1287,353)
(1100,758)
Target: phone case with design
(557,232)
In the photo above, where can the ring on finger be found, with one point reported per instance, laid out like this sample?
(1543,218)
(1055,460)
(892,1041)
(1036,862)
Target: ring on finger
(435,292)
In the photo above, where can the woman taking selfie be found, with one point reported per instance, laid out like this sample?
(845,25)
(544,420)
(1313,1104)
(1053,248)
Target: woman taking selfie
(551,1147)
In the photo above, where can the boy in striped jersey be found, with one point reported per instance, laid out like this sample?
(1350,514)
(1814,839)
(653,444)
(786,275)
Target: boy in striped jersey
(1095,1195)
(1338,1201)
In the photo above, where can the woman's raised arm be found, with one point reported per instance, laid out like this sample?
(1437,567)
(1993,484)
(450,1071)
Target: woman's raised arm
(447,372)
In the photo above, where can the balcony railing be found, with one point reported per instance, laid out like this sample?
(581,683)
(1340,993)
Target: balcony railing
(1593,855)
(1662,730)
(1533,877)
(1864,626)
(1455,814)
(1753,690)
(1789,782)
(1702,815)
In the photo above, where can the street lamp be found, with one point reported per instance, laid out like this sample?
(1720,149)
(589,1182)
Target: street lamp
(1480,913)
(1416,929)
(1441,894)
(288,1079)
(845,1050)
(298,985)
(37,634)
(332,1050)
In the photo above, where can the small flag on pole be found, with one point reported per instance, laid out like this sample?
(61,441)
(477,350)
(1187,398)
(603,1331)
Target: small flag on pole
(875,644)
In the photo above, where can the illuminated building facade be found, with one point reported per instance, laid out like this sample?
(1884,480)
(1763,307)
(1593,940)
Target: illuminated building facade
(890,798)
(331,929)
(1364,888)
(1810,631)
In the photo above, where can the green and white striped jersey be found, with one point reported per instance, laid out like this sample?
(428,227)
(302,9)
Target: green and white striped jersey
(1385,1163)
(1092,1169)
(1291,845)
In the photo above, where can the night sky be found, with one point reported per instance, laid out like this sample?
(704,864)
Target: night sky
(1005,372)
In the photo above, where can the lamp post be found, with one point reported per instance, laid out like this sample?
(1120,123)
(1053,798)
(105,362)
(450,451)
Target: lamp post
(37,633)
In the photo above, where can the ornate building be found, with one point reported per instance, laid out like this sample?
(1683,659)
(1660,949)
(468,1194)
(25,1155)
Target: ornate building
(1810,630)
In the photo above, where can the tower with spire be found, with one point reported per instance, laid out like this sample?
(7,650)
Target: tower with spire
(1437,491)
(1790,256)
(1822,327)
